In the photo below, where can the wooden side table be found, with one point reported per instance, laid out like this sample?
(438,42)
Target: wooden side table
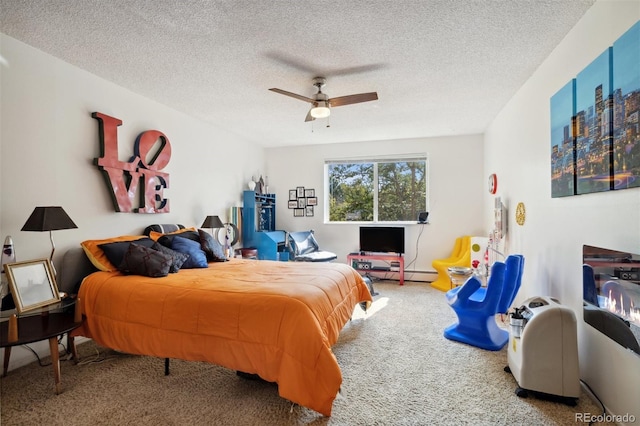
(43,324)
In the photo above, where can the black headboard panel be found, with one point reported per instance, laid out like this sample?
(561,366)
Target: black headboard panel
(163,228)
(75,266)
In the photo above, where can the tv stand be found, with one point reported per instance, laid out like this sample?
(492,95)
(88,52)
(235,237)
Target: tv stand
(390,257)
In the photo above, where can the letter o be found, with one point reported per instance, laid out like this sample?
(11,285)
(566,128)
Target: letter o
(145,141)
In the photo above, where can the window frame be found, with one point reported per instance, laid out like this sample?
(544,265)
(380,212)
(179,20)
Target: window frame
(377,160)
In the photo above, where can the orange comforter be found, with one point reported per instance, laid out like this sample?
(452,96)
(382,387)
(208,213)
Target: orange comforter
(275,319)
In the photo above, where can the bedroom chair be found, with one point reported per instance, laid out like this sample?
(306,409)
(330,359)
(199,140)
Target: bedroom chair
(476,307)
(513,280)
(303,247)
(460,256)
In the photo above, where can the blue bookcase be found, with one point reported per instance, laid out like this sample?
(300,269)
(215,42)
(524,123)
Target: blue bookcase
(259,225)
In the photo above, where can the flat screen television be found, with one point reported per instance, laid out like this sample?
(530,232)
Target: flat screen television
(382,239)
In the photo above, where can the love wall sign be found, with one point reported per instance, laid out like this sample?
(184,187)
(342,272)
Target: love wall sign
(141,178)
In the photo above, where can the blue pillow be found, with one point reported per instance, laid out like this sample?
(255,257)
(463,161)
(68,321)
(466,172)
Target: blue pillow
(197,257)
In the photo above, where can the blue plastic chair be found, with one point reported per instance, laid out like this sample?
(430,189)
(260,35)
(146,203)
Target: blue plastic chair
(476,324)
(513,279)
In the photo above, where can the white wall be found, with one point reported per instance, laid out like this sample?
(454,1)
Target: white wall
(49,142)
(456,184)
(517,148)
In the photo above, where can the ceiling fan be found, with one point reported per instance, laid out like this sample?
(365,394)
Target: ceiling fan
(321,104)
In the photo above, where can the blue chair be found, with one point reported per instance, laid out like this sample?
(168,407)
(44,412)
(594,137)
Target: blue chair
(476,307)
(476,323)
(513,279)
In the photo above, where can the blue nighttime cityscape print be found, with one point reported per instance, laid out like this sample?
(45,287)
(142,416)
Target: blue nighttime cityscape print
(626,109)
(602,137)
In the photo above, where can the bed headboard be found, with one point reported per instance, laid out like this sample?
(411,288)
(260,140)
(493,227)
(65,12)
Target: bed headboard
(75,266)
(163,228)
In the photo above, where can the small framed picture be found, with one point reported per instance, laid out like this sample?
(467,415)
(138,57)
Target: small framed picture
(298,213)
(312,201)
(308,211)
(302,203)
(293,195)
(293,204)
(32,284)
(309,193)
(300,191)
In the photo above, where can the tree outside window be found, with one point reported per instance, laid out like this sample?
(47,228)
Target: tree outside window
(377,191)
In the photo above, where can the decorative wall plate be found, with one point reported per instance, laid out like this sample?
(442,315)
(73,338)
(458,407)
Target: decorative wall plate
(520,214)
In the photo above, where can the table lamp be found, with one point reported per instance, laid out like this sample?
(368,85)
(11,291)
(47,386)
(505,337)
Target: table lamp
(212,222)
(50,218)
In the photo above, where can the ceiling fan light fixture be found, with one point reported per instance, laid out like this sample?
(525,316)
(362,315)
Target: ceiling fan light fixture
(321,110)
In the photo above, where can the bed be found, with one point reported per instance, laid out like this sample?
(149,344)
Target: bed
(278,320)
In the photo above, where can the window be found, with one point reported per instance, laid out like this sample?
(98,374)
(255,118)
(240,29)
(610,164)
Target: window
(381,190)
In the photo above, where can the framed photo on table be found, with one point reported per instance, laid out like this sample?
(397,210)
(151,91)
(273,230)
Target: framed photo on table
(32,284)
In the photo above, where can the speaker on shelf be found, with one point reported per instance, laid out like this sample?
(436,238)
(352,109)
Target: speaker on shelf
(422,217)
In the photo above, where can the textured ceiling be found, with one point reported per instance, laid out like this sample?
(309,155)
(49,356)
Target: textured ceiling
(440,67)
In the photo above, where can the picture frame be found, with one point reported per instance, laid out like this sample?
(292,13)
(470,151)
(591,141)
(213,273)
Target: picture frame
(293,204)
(308,211)
(302,203)
(312,201)
(32,283)
(300,191)
(293,195)
(309,193)
(298,213)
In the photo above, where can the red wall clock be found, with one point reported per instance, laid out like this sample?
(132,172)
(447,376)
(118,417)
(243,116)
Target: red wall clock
(493,183)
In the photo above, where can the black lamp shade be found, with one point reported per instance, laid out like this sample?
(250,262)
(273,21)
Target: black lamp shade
(49,218)
(212,222)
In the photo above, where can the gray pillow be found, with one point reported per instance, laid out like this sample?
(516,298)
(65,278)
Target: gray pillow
(177,258)
(140,260)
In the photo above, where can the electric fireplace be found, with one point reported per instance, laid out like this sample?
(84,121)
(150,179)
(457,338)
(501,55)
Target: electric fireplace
(611,292)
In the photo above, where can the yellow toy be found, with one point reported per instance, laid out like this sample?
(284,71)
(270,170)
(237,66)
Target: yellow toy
(460,256)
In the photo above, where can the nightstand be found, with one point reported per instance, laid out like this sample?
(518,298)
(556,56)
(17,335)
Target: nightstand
(42,324)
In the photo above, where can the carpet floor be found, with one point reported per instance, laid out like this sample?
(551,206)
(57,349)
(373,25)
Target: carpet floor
(397,368)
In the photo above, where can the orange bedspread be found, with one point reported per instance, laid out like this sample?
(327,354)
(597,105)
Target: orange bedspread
(275,319)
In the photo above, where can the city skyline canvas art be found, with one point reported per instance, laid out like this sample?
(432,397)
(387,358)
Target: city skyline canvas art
(563,172)
(597,115)
(626,109)
(594,107)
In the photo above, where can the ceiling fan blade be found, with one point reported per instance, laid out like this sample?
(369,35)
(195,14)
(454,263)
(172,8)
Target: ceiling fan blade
(309,117)
(293,95)
(353,99)
(302,64)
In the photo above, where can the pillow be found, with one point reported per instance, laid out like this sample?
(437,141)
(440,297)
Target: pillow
(154,235)
(115,251)
(166,239)
(141,260)
(197,257)
(177,258)
(212,247)
(98,257)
